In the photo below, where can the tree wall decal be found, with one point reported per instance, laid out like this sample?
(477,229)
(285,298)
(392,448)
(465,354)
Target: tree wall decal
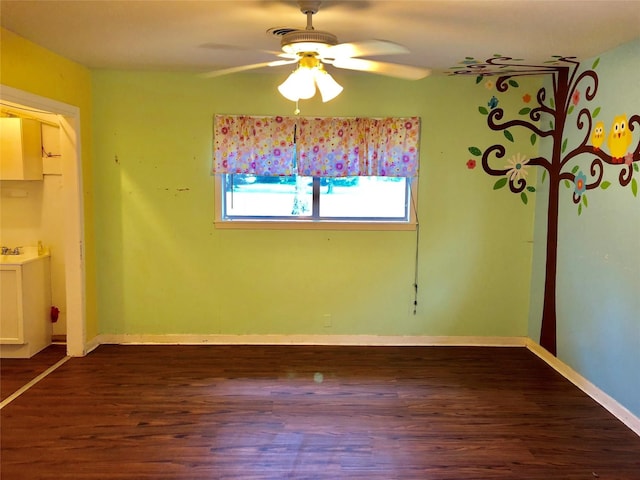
(550,119)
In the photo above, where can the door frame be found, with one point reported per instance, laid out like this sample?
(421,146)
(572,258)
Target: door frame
(68,117)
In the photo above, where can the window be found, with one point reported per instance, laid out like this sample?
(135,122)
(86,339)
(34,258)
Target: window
(376,202)
(315,173)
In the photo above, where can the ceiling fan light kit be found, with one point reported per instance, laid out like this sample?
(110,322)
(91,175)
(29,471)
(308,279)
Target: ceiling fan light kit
(329,88)
(301,84)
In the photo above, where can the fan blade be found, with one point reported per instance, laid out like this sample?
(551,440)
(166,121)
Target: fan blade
(391,69)
(223,47)
(242,68)
(364,49)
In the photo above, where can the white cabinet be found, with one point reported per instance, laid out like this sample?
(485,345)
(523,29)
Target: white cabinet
(21,149)
(25,302)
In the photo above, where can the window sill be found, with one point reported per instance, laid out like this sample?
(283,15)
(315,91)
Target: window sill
(313,225)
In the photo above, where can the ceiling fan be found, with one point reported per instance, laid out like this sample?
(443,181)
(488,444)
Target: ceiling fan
(311,49)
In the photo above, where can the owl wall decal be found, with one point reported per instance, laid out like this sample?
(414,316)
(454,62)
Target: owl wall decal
(597,137)
(619,138)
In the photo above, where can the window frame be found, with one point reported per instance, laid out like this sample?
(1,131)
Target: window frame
(311,223)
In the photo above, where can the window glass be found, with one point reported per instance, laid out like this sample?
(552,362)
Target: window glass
(355,199)
(265,196)
(364,197)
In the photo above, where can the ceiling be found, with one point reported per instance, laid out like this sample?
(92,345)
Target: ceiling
(200,36)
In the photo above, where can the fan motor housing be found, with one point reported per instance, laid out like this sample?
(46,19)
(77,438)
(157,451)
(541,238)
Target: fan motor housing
(299,41)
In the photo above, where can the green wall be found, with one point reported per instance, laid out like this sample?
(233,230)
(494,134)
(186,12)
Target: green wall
(598,301)
(165,269)
(31,68)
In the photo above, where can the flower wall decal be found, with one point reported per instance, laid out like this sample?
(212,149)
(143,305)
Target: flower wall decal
(581,183)
(517,167)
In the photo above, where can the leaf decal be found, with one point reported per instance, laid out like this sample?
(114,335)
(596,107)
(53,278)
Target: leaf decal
(584,200)
(604,185)
(524,111)
(552,103)
(523,197)
(500,183)
(575,169)
(634,187)
(570,110)
(478,79)
(580,209)
(636,167)
(564,145)
(567,183)
(483,110)
(533,138)
(531,189)
(596,112)
(595,64)
(475,151)
(514,84)
(544,176)
(508,135)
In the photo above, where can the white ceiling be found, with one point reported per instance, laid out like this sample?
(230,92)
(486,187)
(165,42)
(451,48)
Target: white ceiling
(199,36)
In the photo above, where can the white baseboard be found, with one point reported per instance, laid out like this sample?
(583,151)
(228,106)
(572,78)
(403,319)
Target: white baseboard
(355,340)
(615,408)
(92,344)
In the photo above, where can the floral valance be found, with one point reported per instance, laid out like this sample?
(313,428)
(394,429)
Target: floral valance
(326,147)
(256,145)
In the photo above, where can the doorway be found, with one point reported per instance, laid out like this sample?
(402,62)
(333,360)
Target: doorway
(68,119)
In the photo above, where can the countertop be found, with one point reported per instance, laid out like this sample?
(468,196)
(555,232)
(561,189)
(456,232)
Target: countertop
(29,254)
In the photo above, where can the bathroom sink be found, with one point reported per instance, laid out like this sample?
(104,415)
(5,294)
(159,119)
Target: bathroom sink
(29,254)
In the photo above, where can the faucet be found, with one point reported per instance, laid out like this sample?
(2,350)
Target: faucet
(6,250)
(16,251)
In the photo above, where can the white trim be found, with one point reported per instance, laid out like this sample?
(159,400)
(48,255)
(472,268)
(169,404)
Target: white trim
(69,122)
(36,101)
(364,340)
(91,345)
(26,387)
(612,405)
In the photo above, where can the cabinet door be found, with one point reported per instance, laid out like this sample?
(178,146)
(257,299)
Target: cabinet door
(21,149)
(11,328)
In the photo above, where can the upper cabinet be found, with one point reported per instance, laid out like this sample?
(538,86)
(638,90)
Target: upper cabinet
(21,153)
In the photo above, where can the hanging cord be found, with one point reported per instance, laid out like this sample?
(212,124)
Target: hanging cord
(417,257)
(415,278)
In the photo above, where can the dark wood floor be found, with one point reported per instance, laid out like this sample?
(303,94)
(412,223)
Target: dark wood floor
(303,412)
